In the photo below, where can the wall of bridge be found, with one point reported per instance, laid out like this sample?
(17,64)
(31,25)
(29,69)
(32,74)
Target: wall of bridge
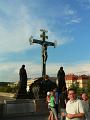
(22,107)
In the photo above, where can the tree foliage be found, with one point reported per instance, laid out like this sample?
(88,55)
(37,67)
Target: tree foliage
(8,89)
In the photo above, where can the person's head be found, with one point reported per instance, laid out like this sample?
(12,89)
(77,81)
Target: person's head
(71,94)
(55,89)
(84,96)
(48,93)
(46,77)
(52,93)
(23,66)
(61,68)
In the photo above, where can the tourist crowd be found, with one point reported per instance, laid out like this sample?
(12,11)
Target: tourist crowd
(73,108)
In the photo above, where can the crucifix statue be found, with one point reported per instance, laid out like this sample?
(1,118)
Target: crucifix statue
(44,45)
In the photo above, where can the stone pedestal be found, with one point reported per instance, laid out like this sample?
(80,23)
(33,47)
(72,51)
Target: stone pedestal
(22,107)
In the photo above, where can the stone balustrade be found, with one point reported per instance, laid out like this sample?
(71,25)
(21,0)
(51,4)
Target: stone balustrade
(22,107)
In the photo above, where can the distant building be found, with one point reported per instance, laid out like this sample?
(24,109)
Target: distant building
(70,79)
(29,82)
(82,80)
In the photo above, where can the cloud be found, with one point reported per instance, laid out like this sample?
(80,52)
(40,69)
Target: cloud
(69,12)
(84,3)
(10,71)
(15,36)
(70,15)
(18,21)
(76,20)
(82,67)
(22,24)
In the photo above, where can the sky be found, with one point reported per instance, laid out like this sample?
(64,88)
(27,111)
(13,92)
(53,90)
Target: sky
(67,22)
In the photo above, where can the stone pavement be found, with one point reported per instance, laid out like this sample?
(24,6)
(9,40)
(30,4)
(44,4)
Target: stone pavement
(29,117)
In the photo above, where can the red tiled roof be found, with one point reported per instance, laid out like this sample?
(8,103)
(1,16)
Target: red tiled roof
(71,77)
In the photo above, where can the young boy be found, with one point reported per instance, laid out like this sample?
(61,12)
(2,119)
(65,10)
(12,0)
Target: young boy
(52,105)
(50,117)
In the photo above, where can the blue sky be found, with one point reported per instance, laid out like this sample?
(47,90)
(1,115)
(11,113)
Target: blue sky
(67,22)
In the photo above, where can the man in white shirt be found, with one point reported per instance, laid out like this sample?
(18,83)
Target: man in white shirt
(74,107)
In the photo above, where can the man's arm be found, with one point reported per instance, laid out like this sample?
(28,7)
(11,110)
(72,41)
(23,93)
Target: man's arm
(78,115)
(70,116)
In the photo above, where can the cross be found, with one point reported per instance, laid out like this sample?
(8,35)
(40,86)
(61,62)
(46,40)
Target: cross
(44,45)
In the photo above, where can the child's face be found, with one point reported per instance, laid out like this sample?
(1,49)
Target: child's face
(52,93)
(84,97)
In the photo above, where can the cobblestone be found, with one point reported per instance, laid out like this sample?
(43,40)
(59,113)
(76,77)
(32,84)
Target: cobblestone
(31,117)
